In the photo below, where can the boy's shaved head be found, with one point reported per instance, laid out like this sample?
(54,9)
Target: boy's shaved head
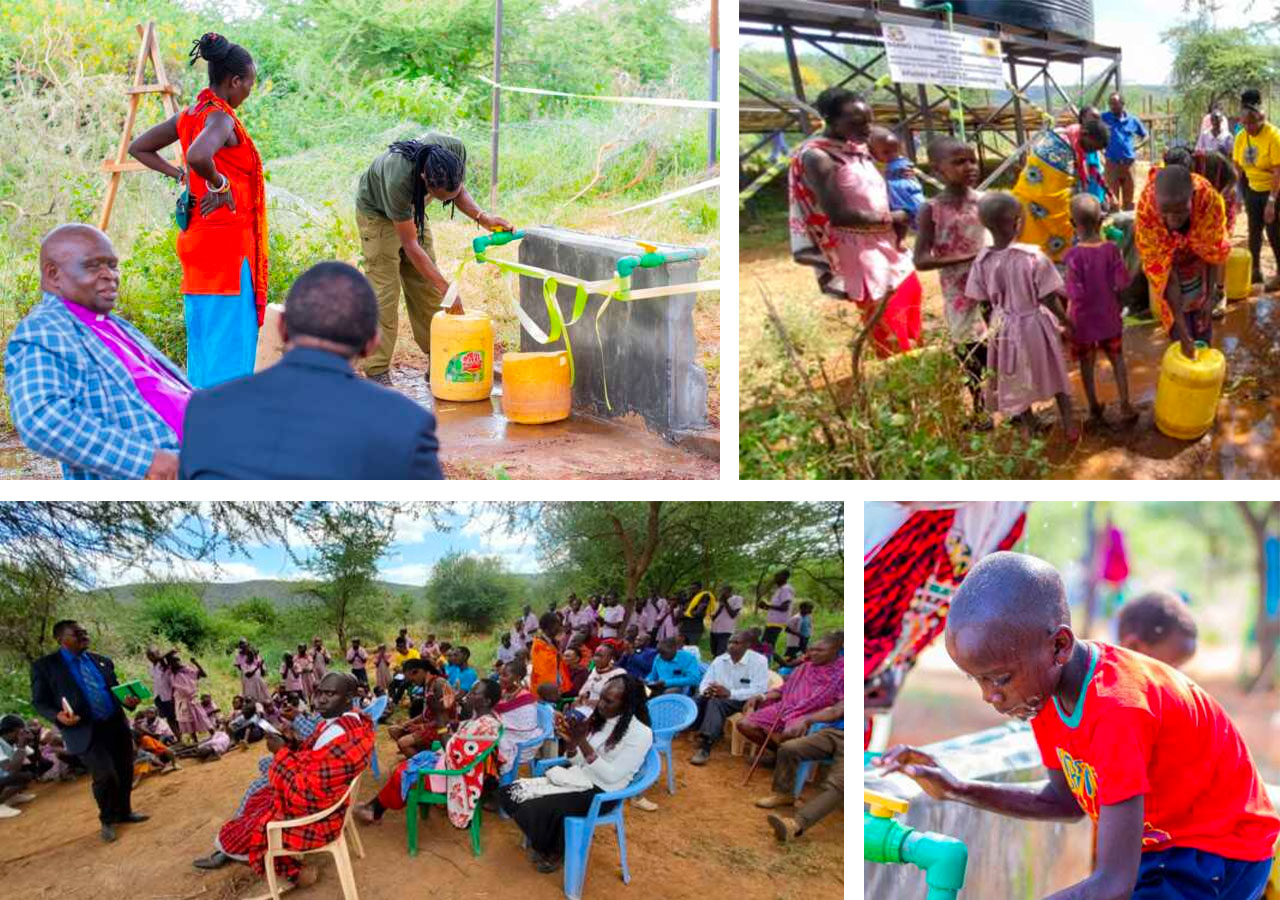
(1011,592)
(998,211)
(1009,628)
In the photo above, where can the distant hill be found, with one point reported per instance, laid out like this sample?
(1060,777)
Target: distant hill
(219,594)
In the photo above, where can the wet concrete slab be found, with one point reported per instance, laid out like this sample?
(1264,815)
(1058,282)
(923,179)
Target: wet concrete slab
(478,441)
(1243,441)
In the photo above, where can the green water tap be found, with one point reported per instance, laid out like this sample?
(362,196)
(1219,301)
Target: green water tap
(652,258)
(885,840)
(493,239)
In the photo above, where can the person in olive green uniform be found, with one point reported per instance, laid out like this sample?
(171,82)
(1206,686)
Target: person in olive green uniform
(396,240)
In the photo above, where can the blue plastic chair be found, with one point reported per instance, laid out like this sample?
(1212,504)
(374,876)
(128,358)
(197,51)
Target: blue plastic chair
(579,830)
(374,711)
(803,770)
(547,724)
(669,715)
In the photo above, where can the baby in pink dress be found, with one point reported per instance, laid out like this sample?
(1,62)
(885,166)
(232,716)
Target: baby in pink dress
(1024,346)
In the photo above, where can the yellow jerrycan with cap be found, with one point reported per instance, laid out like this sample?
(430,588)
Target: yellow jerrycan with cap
(536,387)
(1239,269)
(1188,391)
(461,356)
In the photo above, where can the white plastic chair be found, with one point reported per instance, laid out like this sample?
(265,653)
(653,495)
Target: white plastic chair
(337,847)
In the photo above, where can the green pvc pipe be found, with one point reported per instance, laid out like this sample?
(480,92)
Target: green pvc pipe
(654,259)
(943,859)
(946,8)
(494,239)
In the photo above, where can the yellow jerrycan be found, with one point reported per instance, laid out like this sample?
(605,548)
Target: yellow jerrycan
(1188,390)
(461,356)
(1239,268)
(535,387)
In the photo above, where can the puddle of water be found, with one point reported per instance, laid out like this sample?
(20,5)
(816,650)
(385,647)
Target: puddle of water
(477,441)
(1242,443)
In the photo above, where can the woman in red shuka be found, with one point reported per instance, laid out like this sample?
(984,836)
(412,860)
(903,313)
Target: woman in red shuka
(1152,758)
(224,247)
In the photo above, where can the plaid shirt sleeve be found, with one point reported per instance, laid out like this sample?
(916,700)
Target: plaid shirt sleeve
(41,375)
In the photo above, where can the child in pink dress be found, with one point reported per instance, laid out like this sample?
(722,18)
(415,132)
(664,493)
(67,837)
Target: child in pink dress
(1024,349)
(1096,274)
(951,236)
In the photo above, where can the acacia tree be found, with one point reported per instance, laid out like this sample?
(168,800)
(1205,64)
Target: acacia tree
(348,542)
(1214,64)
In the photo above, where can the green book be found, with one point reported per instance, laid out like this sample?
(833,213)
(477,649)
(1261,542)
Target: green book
(132,689)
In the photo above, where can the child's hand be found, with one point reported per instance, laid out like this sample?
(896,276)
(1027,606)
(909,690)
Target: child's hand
(924,770)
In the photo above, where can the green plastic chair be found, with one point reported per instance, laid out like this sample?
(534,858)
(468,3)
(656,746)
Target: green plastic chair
(421,796)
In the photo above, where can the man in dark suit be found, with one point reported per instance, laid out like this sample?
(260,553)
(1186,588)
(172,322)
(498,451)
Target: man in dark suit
(96,729)
(311,415)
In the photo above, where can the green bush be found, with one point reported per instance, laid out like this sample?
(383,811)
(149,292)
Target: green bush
(176,614)
(910,423)
(473,591)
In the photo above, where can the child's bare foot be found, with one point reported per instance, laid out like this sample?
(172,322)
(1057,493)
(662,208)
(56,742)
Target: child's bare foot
(1128,415)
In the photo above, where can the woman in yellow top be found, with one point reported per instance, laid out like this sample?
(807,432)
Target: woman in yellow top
(1257,158)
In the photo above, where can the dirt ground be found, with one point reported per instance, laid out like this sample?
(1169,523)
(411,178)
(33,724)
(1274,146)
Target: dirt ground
(938,702)
(478,442)
(1242,443)
(707,840)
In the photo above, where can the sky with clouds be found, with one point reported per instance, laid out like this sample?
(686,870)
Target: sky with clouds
(417,547)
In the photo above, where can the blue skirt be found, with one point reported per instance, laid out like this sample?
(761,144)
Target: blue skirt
(222,334)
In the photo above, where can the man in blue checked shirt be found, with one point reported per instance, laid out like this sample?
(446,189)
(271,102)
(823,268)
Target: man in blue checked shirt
(85,387)
(1121,149)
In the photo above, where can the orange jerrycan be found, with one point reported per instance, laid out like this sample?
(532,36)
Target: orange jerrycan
(535,387)
(1188,390)
(1239,268)
(461,356)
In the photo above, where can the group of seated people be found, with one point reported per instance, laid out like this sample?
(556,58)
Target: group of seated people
(321,739)
(89,390)
(30,752)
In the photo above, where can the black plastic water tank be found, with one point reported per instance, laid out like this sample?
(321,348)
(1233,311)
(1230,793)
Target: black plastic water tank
(1073,17)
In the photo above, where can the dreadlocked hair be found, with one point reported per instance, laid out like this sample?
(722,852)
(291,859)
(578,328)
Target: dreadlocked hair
(635,705)
(441,168)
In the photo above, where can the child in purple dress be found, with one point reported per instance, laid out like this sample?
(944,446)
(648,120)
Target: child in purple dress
(1096,274)
(1024,350)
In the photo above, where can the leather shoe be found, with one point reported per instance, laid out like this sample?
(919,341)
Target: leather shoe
(215,860)
(108,832)
(136,817)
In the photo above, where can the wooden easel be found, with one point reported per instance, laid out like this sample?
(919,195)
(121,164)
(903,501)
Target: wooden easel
(150,48)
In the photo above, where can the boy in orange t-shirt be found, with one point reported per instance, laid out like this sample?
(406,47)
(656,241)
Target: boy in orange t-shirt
(1153,759)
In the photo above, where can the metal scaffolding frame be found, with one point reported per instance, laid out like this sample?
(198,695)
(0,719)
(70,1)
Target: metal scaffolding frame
(998,132)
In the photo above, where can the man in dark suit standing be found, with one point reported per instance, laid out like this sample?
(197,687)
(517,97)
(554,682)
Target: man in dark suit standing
(95,729)
(311,415)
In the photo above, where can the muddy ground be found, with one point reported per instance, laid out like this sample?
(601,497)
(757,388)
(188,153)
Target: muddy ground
(706,841)
(1242,444)
(477,441)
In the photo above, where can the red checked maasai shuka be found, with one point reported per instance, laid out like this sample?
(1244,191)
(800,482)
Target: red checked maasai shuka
(1147,729)
(299,783)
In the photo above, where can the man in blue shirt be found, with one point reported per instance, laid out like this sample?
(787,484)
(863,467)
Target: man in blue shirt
(1121,149)
(674,671)
(72,687)
(459,672)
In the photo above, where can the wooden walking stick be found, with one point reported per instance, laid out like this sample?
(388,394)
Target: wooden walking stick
(763,747)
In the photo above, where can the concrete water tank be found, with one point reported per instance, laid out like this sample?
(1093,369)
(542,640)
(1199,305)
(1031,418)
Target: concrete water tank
(1073,17)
